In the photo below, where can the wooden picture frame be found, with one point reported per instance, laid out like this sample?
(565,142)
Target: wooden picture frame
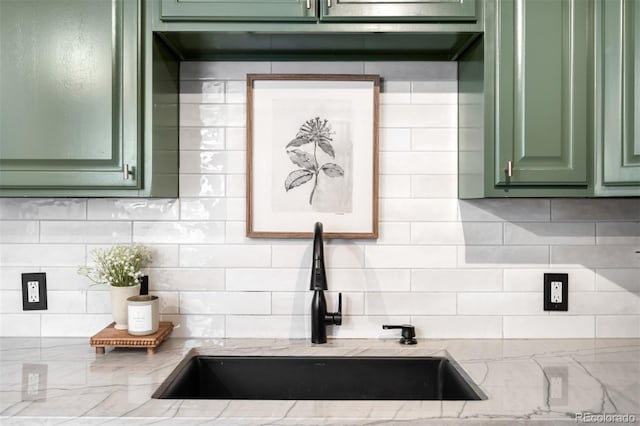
(312,155)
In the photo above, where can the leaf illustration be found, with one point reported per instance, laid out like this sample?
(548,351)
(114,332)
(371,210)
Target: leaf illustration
(332,170)
(326,147)
(297,178)
(299,141)
(302,159)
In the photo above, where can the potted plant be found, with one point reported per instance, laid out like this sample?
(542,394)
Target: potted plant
(121,268)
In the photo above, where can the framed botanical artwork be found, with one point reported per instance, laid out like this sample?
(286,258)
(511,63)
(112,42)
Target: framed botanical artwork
(312,155)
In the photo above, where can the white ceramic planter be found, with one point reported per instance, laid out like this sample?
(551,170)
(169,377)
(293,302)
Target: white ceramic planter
(119,296)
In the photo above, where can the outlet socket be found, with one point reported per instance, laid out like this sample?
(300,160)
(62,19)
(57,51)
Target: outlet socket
(34,291)
(556,292)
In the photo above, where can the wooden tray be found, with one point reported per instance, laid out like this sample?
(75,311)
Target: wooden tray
(109,336)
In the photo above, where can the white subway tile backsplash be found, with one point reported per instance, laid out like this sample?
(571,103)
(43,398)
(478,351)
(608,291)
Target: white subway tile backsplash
(511,210)
(502,256)
(212,115)
(78,325)
(625,326)
(417,209)
(200,162)
(458,327)
(627,233)
(225,256)
(402,163)
(487,303)
(596,256)
(531,280)
(594,209)
(434,92)
(202,185)
(410,257)
(456,233)
(604,303)
(178,232)
(202,92)
(186,279)
(20,325)
(42,255)
(533,233)
(336,256)
(618,280)
(92,232)
(549,327)
(438,139)
(392,115)
(434,186)
(271,326)
(453,268)
(394,139)
(232,303)
(202,138)
(196,326)
(203,209)
(19,231)
(395,92)
(43,209)
(236,138)
(299,303)
(223,70)
(456,280)
(410,303)
(268,279)
(132,209)
(394,186)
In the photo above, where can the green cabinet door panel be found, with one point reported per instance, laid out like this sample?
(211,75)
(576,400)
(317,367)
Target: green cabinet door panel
(619,147)
(69,94)
(238,10)
(398,10)
(541,88)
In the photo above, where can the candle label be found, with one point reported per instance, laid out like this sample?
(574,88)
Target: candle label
(140,318)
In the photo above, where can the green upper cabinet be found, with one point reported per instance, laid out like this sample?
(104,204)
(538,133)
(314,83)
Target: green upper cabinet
(72,112)
(69,94)
(541,112)
(323,10)
(398,10)
(618,97)
(238,10)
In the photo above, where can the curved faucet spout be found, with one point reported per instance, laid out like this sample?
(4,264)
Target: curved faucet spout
(318,274)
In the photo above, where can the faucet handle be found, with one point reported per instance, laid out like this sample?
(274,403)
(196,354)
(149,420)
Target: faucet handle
(337,317)
(408,333)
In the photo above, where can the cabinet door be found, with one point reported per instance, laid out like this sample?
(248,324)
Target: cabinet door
(620,91)
(398,10)
(238,10)
(541,92)
(69,85)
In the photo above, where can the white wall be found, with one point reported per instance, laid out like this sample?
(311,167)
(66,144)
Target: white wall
(470,269)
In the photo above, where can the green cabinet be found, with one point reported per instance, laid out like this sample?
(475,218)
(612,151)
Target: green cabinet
(396,10)
(532,101)
(238,10)
(70,104)
(541,92)
(314,10)
(617,48)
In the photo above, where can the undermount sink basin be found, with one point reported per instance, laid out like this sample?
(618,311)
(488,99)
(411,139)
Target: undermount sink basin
(318,378)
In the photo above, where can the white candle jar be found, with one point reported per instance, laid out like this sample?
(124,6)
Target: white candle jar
(143,315)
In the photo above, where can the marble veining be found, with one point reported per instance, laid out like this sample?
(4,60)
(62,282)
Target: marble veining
(57,381)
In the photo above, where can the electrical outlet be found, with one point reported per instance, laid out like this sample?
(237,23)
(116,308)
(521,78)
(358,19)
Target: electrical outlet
(556,292)
(34,291)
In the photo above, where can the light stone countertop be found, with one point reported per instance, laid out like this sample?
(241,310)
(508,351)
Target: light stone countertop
(62,381)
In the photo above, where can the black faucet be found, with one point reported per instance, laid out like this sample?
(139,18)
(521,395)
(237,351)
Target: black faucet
(319,315)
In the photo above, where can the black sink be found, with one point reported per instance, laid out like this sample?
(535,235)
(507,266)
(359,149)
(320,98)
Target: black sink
(318,378)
